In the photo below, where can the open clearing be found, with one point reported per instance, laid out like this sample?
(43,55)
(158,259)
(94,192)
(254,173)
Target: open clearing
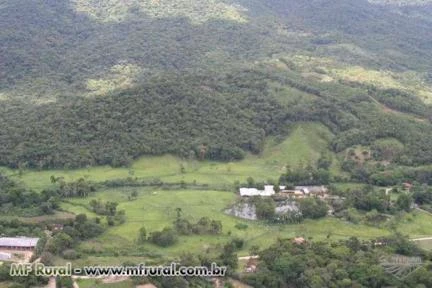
(155,209)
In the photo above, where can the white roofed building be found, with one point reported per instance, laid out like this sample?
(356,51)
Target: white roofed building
(250,192)
(18,243)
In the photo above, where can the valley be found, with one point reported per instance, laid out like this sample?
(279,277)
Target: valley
(132,131)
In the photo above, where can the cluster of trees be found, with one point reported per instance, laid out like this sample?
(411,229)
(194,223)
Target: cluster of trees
(16,228)
(20,281)
(108,209)
(74,231)
(79,188)
(164,238)
(308,175)
(169,235)
(201,227)
(348,263)
(368,199)
(103,208)
(370,205)
(422,196)
(313,208)
(264,207)
(398,175)
(16,199)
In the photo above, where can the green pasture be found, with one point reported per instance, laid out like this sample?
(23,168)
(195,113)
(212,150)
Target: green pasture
(155,209)
(417,224)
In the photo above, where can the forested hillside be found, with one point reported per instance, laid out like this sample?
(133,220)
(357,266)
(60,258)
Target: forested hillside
(88,82)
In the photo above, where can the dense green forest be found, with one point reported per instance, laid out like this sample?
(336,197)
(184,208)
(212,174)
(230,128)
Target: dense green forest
(103,82)
(349,263)
(204,118)
(83,83)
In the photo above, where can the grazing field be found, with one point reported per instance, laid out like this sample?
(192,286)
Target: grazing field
(417,224)
(302,146)
(155,210)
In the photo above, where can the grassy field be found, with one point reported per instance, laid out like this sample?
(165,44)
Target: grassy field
(302,146)
(416,224)
(155,210)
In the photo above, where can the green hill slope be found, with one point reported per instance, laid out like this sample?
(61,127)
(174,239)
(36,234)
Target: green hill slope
(88,82)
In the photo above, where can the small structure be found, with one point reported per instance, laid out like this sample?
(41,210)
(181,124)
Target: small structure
(251,265)
(312,190)
(407,186)
(292,193)
(299,240)
(55,227)
(18,243)
(250,192)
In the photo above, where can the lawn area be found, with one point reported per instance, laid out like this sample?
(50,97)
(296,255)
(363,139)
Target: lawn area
(302,146)
(417,224)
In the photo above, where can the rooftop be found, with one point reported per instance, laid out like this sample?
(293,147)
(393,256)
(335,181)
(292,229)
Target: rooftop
(18,242)
(268,191)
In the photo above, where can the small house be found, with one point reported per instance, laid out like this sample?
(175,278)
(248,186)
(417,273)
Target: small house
(407,186)
(299,240)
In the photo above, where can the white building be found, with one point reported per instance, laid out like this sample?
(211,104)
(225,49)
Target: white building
(18,243)
(250,192)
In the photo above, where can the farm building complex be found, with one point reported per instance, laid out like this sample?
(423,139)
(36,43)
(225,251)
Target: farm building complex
(18,243)
(297,191)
